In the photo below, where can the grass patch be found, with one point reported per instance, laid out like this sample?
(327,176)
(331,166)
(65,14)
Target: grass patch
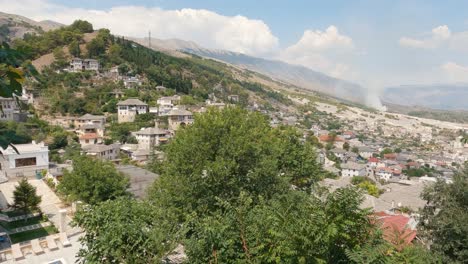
(23,222)
(13,213)
(33,234)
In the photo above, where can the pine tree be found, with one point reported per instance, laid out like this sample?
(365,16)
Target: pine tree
(25,197)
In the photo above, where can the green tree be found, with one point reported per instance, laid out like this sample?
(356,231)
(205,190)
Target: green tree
(216,158)
(74,49)
(25,197)
(385,151)
(82,26)
(444,217)
(93,181)
(125,231)
(355,150)
(60,58)
(114,53)
(346,146)
(290,228)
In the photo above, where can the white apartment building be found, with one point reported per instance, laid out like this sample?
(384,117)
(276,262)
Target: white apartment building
(28,160)
(127,110)
(150,137)
(352,169)
(10,108)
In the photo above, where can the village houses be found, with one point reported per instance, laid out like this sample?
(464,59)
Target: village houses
(179,117)
(150,137)
(77,64)
(351,169)
(127,110)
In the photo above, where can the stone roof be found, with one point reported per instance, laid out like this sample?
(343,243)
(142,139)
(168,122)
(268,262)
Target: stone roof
(140,179)
(337,150)
(132,101)
(179,112)
(151,131)
(100,148)
(92,117)
(352,166)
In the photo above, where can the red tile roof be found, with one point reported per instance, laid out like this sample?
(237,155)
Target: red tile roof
(395,229)
(328,138)
(89,136)
(373,159)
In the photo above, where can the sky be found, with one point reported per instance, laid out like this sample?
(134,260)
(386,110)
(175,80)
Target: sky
(375,43)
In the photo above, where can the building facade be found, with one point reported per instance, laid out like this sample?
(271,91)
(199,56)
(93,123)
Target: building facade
(28,160)
(150,137)
(127,110)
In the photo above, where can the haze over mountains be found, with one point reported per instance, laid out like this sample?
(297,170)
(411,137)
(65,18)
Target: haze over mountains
(447,96)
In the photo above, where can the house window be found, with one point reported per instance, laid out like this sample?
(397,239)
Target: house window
(25,162)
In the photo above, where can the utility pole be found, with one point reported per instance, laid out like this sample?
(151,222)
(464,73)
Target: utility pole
(149,39)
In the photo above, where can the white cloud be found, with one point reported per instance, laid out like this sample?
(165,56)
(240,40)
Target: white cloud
(313,41)
(236,33)
(440,36)
(316,48)
(455,72)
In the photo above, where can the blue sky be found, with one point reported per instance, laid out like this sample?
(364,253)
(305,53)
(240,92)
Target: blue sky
(373,42)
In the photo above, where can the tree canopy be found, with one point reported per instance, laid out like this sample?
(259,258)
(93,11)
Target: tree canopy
(25,197)
(445,216)
(226,152)
(125,231)
(93,181)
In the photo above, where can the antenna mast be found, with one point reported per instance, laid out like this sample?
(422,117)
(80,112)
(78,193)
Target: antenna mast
(149,39)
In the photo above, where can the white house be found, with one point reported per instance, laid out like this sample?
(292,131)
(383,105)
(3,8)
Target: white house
(77,64)
(179,117)
(86,119)
(166,103)
(26,161)
(132,81)
(387,173)
(129,109)
(90,134)
(340,153)
(10,109)
(365,152)
(150,137)
(351,169)
(105,152)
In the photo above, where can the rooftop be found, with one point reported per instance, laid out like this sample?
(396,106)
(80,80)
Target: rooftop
(132,101)
(25,148)
(151,131)
(352,166)
(140,179)
(179,112)
(92,117)
(100,148)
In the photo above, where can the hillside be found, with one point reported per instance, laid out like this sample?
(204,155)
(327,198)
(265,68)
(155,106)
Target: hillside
(293,74)
(437,96)
(15,26)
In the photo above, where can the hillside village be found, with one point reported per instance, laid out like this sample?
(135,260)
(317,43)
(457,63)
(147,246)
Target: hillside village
(390,156)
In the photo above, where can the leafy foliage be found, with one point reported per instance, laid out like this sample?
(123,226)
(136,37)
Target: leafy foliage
(290,228)
(124,231)
(93,181)
(444,217)
(228,152)
(25,197)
